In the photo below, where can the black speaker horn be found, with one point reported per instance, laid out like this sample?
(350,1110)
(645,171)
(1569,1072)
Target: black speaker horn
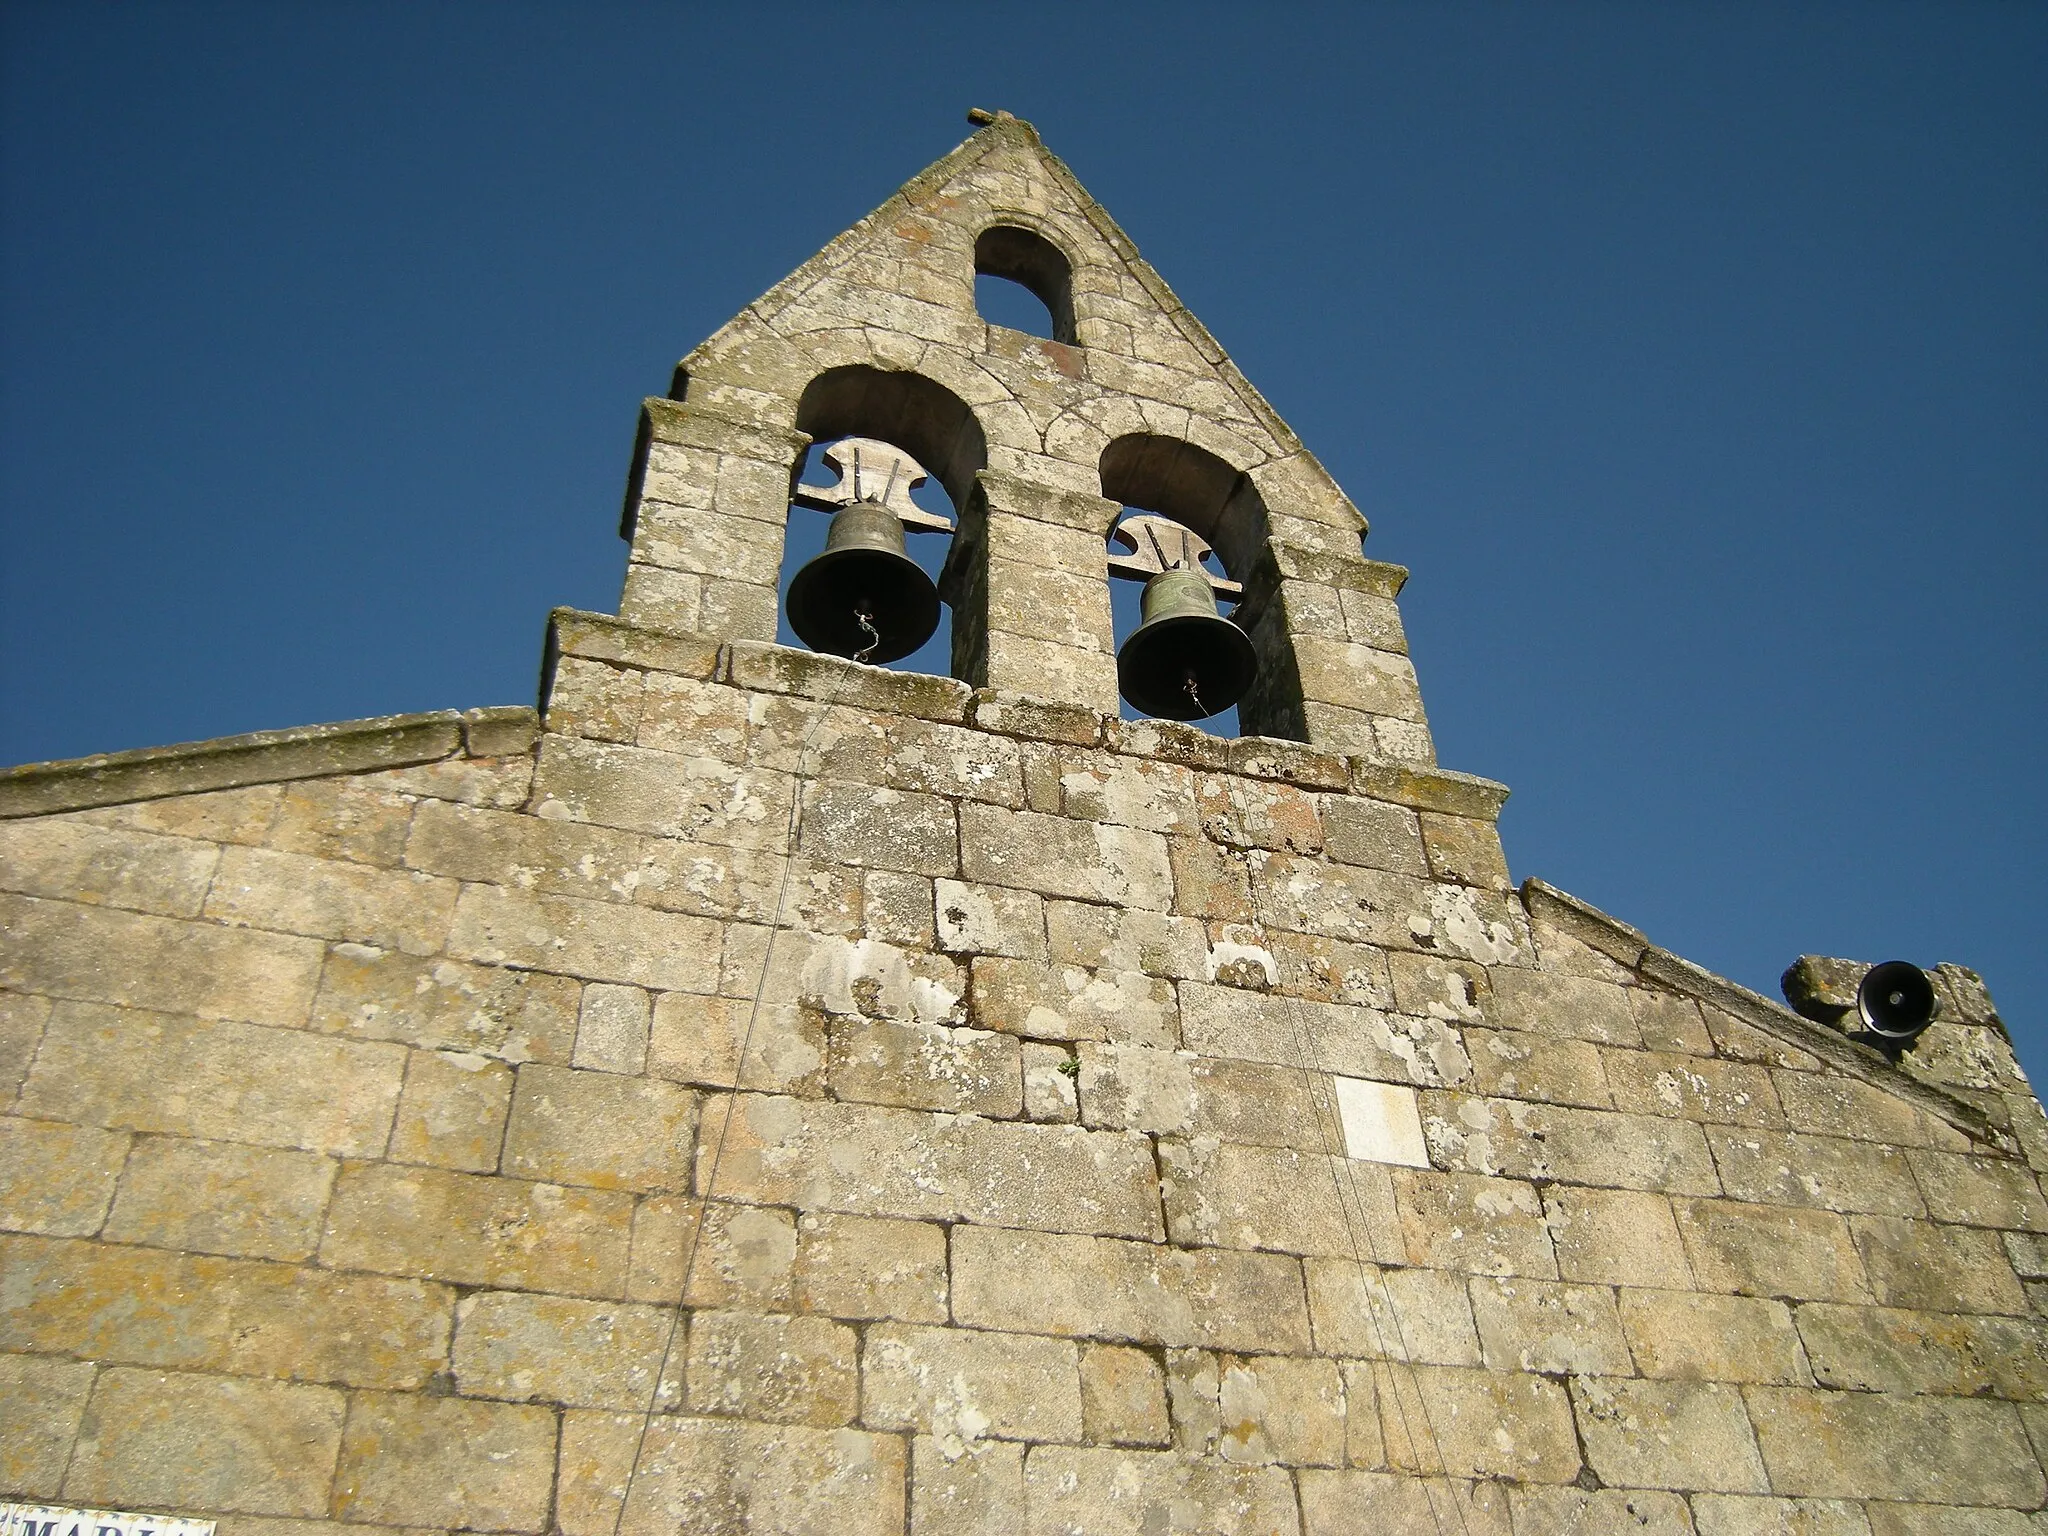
(863,597)
(1895,1000)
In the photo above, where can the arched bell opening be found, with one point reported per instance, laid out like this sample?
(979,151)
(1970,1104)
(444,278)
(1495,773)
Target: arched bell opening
(1191,528)
(873,507)
(1024,282)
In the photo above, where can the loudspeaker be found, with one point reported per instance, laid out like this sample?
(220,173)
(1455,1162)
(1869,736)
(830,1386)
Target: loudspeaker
(1895,1000)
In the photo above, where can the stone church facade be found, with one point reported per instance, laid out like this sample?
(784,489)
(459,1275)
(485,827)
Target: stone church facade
(757,1092)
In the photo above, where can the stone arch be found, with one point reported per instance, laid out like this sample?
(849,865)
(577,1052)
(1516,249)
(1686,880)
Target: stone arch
(1014,249)
(1194,487)
(923,418)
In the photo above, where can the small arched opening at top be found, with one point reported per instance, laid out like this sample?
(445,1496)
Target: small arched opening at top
(891,437)
(1024,282)
(1164,477)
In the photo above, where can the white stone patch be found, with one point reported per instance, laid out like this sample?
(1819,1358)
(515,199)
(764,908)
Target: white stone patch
(1236,960)
(1382,1123)
(833,967)
(1456,922)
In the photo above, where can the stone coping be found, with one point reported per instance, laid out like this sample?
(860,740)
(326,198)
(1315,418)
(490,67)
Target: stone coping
(783,669)
(265,757)
(1630,948)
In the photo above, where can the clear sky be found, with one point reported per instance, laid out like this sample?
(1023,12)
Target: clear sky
(1694,357)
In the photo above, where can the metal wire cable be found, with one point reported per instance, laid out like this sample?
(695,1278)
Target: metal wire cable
(864,617)
(1309,1065)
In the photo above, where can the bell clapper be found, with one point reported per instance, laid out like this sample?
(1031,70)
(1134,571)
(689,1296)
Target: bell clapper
(864,616)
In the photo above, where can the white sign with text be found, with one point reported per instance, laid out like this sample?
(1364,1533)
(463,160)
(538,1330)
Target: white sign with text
(55,1520)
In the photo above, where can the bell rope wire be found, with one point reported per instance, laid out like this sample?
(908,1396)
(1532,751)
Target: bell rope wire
(1308,1063)
(710,1184)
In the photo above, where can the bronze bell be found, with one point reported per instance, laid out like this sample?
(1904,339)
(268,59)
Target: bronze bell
(863,596)
(1184,661)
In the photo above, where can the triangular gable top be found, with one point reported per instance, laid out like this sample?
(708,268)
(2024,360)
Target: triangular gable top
(904,275)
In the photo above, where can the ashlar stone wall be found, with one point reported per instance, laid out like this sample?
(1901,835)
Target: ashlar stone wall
(1136,1132)
(760,1093)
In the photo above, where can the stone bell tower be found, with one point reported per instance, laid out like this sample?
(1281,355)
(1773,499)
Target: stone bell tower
(759,1092)
(1040,444)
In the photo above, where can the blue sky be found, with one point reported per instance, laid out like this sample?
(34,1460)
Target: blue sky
(1694,357)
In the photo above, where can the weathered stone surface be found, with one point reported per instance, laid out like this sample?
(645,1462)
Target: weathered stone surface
(926,1066)
(1083,1287)
(106,866)
(478,1231)
(102,956)
(1380,1313)
(1117,939)
(1616,1237)
(1258,1409)
(1152,1493)
(530,853)
(1320,1037)
(205,1442)
(1443,1420)
(709,1477)
(786,1370)
(552,1349)
(731,1255)
(1980,1191)
(1483,1226)
(600,1130)
(1702,1337)
(1079,860)
(1222,1195)
(1066,1002)
(894,1162)
(958,1385)
(41,1402)
(1669,1023)
(1881,1349)
(1538,1068)
(515,1016)
(21,1031)
(1465,850)
(1668,1434)
(1936,1268)
(1833,1105)
(966,1490)
(1570,1007)
(1123,1397)
(1209,882)
(1050,1083)
(1826,1172)
(140,1306)
(721,1042)
(1763,1250)
(595,940)
(57,1178)
(329,899)
(883,829)
(1610,1512)
(1692,1088)
(869,1267)
(446,1462)
(1726,1514)
(452,1113)
(232,1082)
(1873,1445)
(216,1197)
(989,920)
(1343,1503)
(1552,1328)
